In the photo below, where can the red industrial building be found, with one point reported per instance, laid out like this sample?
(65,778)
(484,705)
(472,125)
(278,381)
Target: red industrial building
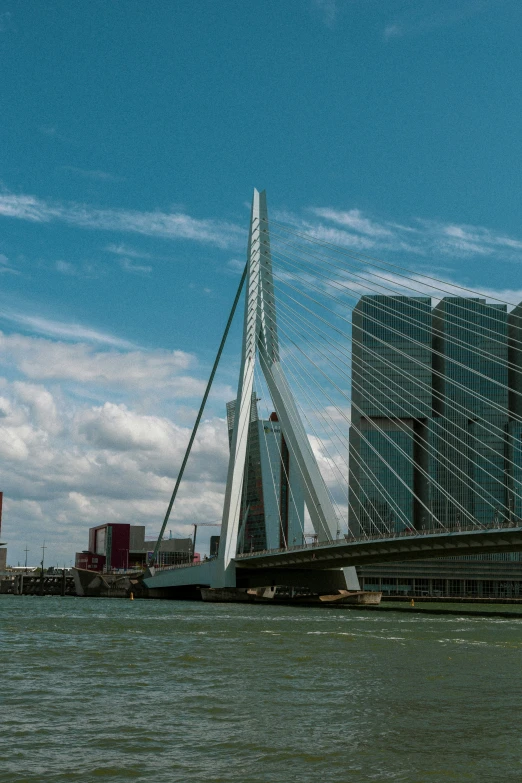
(108,548)
(117,546)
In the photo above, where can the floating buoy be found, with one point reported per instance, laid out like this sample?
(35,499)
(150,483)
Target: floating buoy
(131,596)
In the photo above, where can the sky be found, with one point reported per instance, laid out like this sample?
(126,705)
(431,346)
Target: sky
(131,137)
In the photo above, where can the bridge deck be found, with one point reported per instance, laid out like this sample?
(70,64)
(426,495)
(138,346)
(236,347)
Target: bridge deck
(387,548)
(338,554)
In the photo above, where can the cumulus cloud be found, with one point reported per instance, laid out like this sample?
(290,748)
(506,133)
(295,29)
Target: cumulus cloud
(334,469)
(41,404)
(115,427)
(42,359)
(17,434)
(69,465)
(78,445)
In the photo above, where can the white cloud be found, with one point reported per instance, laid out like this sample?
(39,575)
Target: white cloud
(136,269)
(393,31)
(96,174)
(62,330)
(346,227)
(328,10)
(115,427)
(124,250)
(65,267)
(41,359)
(5,266)
(173,225)
(346,285)
(333,466)
(355,220)
(443,14)
(351,228)
(42,405)
(236,266)
(65,468)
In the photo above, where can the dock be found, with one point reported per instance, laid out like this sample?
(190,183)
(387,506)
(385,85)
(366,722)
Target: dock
(39,584)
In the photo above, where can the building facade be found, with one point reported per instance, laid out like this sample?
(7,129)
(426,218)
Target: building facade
(120,546)
(470,411)
(435,434)
(391,407)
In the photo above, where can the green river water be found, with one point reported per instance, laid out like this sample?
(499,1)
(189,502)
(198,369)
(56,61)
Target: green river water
(166,691)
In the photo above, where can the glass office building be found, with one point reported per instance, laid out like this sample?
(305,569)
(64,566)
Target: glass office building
(391,405)
(515,406)
(432,437)
(443,446)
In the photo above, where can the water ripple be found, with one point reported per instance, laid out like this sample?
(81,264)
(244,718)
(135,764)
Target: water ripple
(180,692)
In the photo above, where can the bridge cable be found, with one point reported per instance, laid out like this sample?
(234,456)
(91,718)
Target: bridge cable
(405,390)
(411,358)
(433,454)
(364,258)
(410,339)
(198,417)
(392,442)
(412,304)
(283,469)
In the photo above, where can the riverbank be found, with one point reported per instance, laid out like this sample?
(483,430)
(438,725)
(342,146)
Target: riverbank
(457,609)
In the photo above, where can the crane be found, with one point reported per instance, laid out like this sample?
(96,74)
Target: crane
(201,524)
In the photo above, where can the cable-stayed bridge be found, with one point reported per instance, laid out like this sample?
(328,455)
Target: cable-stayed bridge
(393,418)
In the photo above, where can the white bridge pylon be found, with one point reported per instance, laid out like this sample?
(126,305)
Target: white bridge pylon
(260,339)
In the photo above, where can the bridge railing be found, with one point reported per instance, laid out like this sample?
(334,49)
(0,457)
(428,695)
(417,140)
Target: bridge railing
(503,525)
(407,533)
(174,566)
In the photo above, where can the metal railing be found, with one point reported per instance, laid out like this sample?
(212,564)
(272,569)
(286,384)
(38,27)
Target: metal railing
(407,533)
(174,566)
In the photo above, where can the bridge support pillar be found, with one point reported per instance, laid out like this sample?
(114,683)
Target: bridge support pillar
(352,580)
(260,337)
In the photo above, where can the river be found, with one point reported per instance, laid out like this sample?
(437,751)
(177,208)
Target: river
(166,691)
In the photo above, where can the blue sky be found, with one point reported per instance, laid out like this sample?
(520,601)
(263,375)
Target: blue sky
(131,137)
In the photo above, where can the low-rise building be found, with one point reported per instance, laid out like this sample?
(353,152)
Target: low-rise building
(121,546)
